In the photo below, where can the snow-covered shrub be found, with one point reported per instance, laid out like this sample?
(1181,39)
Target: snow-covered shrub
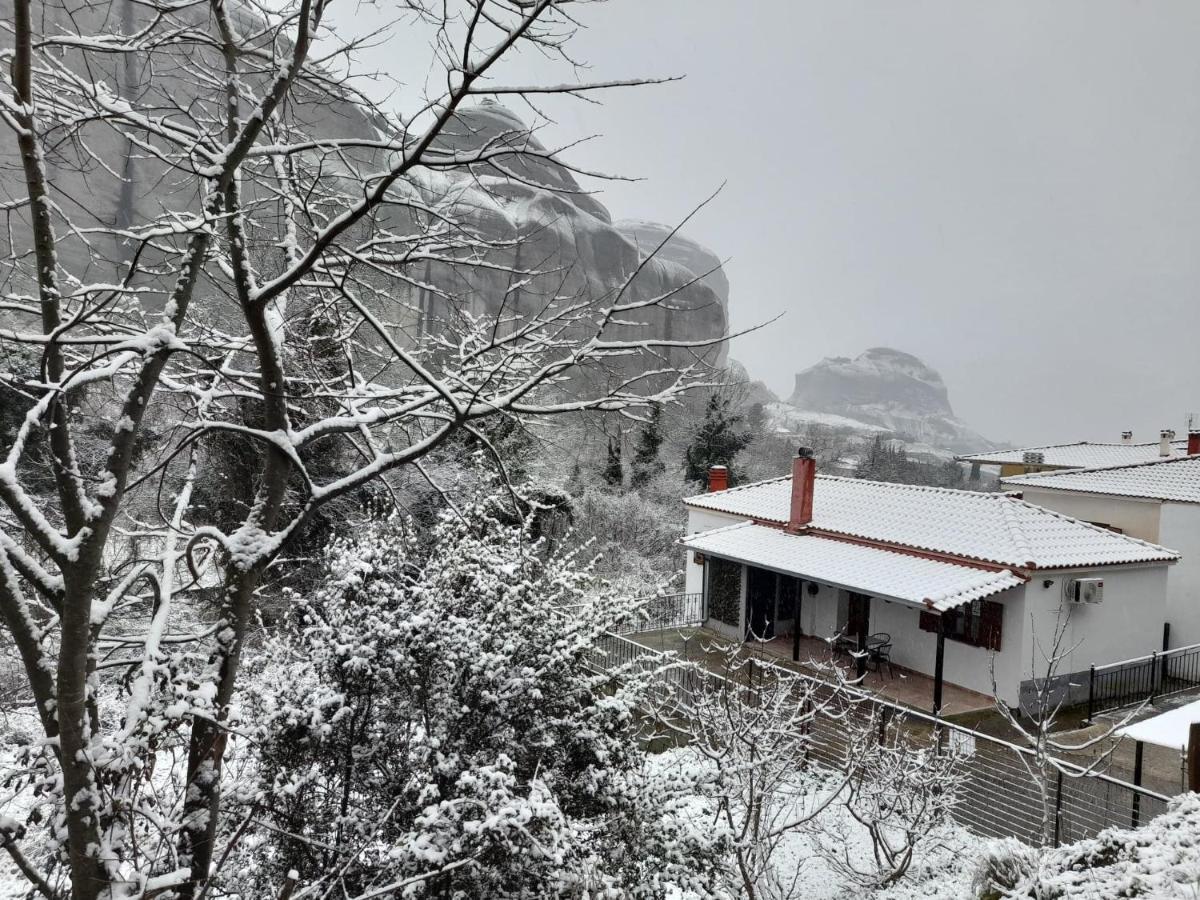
(1161,860)
(1003,864)
(431,721)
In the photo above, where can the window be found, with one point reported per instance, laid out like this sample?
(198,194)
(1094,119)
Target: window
(724,591)
(978,623)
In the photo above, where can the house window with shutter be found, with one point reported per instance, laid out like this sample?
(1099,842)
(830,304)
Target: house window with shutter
(979,623)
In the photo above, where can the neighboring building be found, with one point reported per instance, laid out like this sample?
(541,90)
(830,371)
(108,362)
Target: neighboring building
(973,579)
(1156,501)
(1080,455)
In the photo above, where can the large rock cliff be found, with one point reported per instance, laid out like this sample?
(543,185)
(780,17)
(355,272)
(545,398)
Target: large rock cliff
(526,207)
(886,390)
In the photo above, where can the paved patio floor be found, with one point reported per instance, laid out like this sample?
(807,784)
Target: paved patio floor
(898,685)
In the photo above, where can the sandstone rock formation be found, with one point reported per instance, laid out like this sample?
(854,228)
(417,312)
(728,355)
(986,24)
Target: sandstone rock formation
(886,389)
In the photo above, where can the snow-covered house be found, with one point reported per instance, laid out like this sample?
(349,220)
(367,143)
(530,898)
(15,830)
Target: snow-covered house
(1156,501)
(1077,455)
(964,583)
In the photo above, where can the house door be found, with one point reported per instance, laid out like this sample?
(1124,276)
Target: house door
(854,614)
(760,604)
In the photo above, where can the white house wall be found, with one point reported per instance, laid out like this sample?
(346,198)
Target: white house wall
(1181,531)
(702,520)
(1136,517)
(964,665)
(1127,624)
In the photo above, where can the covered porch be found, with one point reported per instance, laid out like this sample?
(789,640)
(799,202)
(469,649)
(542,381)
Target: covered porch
(882,616)
(899,685)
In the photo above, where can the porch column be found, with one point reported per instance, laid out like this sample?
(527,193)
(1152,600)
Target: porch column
(796,620)
(864,624)
(938,666)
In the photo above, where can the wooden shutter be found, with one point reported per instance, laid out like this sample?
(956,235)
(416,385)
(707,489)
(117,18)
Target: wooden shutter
(991,619)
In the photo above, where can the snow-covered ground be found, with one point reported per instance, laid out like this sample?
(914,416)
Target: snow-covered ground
(942,868)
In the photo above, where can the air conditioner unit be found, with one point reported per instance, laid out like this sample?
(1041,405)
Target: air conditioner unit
(1085,590)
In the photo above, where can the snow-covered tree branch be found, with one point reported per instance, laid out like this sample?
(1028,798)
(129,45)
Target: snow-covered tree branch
(273,304)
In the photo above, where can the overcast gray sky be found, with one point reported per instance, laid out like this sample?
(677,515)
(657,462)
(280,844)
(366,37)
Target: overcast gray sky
(1009,190)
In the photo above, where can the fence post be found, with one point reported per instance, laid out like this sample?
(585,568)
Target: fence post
(1166,646)
(1058,809)
(1136,815)
(1153,674)
(1091,692)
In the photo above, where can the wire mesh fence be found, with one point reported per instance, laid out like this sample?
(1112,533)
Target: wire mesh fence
(1004,789)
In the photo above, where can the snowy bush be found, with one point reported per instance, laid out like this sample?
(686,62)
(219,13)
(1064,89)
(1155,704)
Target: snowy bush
(1160,859)
(1002,866)
(432,721)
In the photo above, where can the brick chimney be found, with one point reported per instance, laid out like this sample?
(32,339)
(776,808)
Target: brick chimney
(718,478)
(1164,442)
(804,475)
(1193,442)
(1126,437)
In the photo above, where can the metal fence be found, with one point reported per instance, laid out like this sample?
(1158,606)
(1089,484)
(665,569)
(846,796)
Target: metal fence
(1002,791)
(1133,681)
(667,611)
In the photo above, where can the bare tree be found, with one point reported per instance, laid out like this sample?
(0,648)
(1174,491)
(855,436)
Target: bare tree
(163,329)
(1037,720)
(900,790)
(757,727)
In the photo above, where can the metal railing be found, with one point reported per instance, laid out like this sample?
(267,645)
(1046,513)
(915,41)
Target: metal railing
(1000,791)
(666,611)
(1133,681)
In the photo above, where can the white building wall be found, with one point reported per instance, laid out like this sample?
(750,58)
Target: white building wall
(702,520)
(1128,623)
(1180,531)
(1136,517)
(964,665)
(818,612)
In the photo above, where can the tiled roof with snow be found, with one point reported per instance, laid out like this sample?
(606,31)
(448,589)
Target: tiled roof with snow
(1080,455)
(1176,478)
(921,581)
(989,527)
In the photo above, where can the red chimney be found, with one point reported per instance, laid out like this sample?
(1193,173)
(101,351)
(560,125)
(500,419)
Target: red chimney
(1193,442)
(804,474)
(718,478)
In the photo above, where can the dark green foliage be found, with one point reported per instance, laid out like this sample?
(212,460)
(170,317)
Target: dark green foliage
(19,367)
(646,461)
(718,442)
(887,460)
(614,472)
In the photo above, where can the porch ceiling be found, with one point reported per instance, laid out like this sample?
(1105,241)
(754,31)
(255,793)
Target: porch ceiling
(919,581)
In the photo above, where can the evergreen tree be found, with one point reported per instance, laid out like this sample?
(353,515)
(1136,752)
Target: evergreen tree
(646,462)
(614,472)
(718,442)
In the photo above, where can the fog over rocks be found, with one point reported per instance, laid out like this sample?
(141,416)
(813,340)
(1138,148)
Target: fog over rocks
(886,389)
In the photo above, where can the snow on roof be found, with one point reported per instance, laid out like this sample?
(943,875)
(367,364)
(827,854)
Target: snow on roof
(917,580)
(989,527)
(1079,455)
(1175,478)
(1169,729)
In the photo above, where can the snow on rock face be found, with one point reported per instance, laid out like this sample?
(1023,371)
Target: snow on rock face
(540,218)
(565,233)
(889,389)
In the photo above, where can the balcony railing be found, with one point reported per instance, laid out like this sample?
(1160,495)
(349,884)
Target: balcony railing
(666,611)
(1133,681)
